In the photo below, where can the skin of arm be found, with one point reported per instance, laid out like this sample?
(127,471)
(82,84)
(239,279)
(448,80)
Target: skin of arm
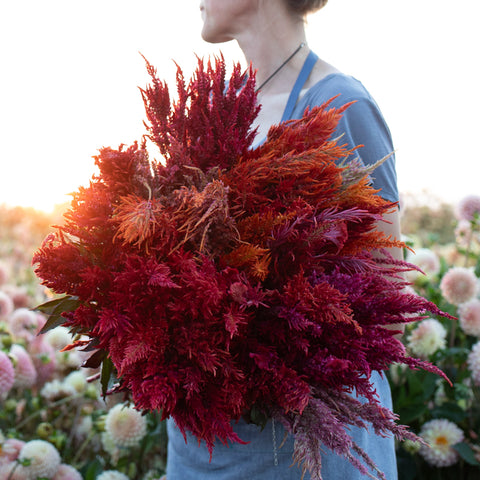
(390,226)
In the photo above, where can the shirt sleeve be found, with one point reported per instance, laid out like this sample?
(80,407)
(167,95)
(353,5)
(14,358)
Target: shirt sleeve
(363,124)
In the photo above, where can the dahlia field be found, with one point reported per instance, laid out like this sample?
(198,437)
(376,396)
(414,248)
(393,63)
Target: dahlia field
(446,417)
(54,423)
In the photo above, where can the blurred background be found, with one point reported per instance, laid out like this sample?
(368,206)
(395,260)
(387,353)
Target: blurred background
(70,72)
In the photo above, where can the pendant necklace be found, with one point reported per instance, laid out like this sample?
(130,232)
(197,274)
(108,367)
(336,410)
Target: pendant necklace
(280,67)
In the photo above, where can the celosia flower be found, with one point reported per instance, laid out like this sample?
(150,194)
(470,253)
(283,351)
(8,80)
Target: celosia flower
(261,285)
(425,259)
(112,475)
(67,472)
(473,362)
(7,374)
(43,457)
(25,373)
(125,425)
(468,208)
(459,285)
(6,305)
(440,435)
(428,337)
(469,317)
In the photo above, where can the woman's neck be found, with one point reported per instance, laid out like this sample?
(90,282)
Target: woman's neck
(269,41)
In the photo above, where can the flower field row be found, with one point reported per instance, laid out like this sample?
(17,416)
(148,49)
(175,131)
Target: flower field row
(54,424)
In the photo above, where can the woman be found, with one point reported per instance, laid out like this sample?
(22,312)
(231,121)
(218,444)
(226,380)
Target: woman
(290,78)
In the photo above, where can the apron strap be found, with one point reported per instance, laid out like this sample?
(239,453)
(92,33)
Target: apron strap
(300,82)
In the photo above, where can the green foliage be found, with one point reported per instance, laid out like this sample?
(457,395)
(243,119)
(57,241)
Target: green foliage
(419,396)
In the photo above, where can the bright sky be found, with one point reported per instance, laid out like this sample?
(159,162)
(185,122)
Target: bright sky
(70,71)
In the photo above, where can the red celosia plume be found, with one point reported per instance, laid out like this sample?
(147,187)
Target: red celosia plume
(225,281)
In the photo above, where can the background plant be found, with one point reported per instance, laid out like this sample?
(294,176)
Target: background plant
(447,417)
(53,421)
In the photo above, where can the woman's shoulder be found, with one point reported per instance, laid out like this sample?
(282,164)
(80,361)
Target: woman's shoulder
(340,87)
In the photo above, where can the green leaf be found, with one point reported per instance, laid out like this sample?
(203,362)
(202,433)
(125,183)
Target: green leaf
(54,310)
(450,411)
(106,375)
(412,412)
(466,453)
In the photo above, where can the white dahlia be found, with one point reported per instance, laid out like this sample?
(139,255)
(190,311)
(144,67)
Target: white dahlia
(67,472)
(473,362)
(112,475)
(125,425)
(440,436)
(427,338)
(43,457)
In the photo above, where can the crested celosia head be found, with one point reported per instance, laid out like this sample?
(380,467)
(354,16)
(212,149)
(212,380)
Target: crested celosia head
(125,425)
(428,337)
(226,278)
(473,362)
(67,472)
(459,285)
(469,317)
(7,374)
(440,435)
(43,457)
(6,305)
(468,208)
(112,475)
(425,259)
(25,372)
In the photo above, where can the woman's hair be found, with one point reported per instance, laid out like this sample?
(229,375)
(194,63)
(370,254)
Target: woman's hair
(302,7)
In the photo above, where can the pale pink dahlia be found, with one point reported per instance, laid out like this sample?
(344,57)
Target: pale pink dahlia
(469,317)
(473,362)
(112,475)
(440,435)
(44,460)
(6,305)
(425,259)
(25,373)
(468,208)
(11,449)
(67,472)
(44,359)
(463,233)
(3,274)
(125,426)
(459,285)
(7,374)
(428,337)
(23,324)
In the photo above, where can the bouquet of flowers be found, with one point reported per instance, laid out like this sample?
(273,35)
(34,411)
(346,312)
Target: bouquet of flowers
(227,281)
